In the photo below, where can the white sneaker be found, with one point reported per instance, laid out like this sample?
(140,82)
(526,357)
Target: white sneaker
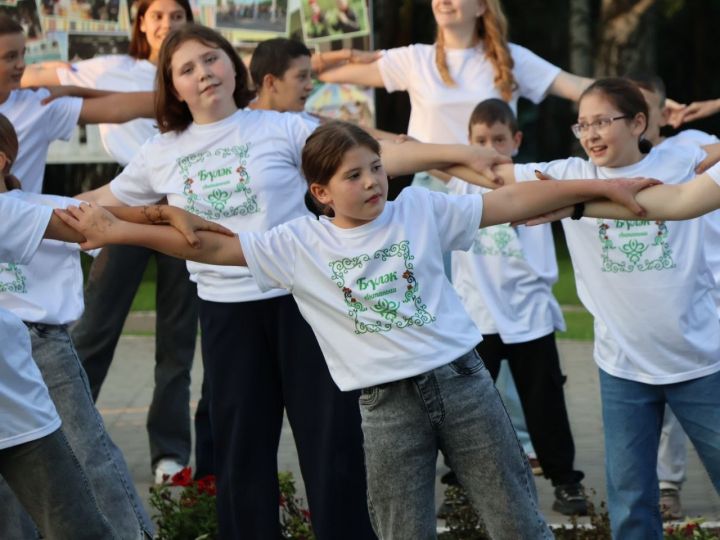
(166,468)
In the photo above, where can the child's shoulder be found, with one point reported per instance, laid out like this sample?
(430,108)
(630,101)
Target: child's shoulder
(42,199)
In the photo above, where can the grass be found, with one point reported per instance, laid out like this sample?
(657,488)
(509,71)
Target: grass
(578,320)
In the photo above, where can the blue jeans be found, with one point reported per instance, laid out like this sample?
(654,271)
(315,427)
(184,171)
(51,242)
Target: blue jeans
(101,460)
(633,416)
(46,476)
(454,408)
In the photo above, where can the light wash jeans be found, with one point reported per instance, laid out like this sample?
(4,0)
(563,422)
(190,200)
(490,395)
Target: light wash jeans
(83,426)
(672,455)
(454,408)
(47,477)
(632,417)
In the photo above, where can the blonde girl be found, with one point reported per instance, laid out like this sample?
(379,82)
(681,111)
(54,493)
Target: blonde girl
(116,275)
(369,281)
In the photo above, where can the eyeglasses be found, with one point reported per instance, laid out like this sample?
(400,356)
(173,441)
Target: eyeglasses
(600,124)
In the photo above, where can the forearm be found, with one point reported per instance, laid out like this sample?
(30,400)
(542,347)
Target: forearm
(58,230)
(408,157)
(145,215)
(117,108)
(360,74)
(569,86)
(44,74)
(102,196)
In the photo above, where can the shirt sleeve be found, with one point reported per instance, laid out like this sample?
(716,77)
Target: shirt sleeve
(714,173)
(133,185)
(457,218)
(62,116)
(299,128)
(271,256)
(22,229)
(395,67)
(84,73)
(533,74)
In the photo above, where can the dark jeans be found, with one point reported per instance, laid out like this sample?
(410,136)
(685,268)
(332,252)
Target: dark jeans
(48,480)
(535,366)
(261,357)
(114,278)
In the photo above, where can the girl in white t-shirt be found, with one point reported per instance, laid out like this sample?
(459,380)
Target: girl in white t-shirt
(225,162)
(369,282)
(116,275)
(648,286)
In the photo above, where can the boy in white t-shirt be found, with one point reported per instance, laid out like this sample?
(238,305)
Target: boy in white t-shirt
(505,283)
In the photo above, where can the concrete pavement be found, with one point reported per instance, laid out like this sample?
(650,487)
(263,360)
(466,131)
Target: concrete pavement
(127,391)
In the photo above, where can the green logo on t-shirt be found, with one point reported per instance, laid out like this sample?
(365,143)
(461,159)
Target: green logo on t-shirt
(497,241)
(634,245)
(216,183)
(12,279)
(375,302)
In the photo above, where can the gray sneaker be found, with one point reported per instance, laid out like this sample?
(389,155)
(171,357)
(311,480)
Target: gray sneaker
(570,500)
(670,506)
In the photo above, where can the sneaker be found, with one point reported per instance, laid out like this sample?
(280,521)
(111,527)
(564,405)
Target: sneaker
(166,468)
(670,506)
(570,500)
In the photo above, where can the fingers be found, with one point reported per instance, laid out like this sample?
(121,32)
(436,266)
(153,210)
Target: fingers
(705,164)
(66,217)
(491,175)
(216,227)
(542,176)
(191,237)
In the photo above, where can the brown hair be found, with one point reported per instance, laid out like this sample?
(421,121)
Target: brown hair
(9,25)
(626,97)
(171,113)
(9,146)
(493,111)
(325,149)
(491,28)
(139,46)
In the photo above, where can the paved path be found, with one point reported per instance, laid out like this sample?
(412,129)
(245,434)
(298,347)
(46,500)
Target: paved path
(125,397)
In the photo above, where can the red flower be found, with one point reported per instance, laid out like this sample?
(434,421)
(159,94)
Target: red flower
(183,478)
(206,485)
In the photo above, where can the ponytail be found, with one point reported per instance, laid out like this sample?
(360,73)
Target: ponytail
(644,145)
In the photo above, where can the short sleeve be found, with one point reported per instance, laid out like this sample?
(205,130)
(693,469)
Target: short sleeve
(270,256)
(22,229)
(61,117)
(87,72)
(395,66)
(457,218)
(714,173)
(533,74)
(133,185)
(299,128)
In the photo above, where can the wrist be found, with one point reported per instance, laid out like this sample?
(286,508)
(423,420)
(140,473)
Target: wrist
(578,211)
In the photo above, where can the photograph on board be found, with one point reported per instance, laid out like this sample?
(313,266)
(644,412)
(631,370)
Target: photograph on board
(82,46)
(82,10)
(25,13)
(253,20)
(329,20)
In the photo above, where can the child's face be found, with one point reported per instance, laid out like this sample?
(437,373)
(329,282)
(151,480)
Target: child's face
(498,136)
(12,61)
(290,92)
(614,145)
(657,116)
(357,192)
(161,17)
(204,78)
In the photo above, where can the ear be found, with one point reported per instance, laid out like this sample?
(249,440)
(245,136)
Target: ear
(482,8)
(4,162)
(142,24)
(321,193)
(268,83)
(638,124)
(517,139)
(665,113)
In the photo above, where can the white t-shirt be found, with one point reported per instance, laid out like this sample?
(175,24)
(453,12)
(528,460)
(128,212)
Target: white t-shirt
(243,172)
(505,280)
(50,289)
(376,295)
(37,126)
(26,411)
(120,73)
(696,137)
(647,283)
(440,113)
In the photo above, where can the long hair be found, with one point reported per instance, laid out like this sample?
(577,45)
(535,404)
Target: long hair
(139,46)
(171,113)
(626,97)
(9,146)
(325,150)
(491,29)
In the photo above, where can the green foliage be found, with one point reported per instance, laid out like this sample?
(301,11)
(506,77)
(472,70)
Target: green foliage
(294,519)
(690,529)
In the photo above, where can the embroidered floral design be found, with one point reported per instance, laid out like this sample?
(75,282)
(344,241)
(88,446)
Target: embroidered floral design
(498,241)
(633,246)
(387,302)
(12,279)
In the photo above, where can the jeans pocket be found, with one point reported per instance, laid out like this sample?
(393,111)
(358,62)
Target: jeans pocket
(369,397)
(467,364)
(54,332)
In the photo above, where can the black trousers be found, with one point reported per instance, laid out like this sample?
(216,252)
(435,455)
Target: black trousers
(535,366)
(261,357)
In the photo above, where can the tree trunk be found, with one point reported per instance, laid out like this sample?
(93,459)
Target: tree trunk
(626,37)
(581,40)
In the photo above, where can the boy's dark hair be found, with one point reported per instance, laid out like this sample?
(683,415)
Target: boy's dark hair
(651,83)
(139,46)
(493,111)
(626,97)
(171,113)
(8,25)
(325,150)
(273,57)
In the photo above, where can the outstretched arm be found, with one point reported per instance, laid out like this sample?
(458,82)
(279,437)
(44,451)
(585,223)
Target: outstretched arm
(42,74)
(100,228)
(362,74)
(569,86)
(518,202)
(117,108)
